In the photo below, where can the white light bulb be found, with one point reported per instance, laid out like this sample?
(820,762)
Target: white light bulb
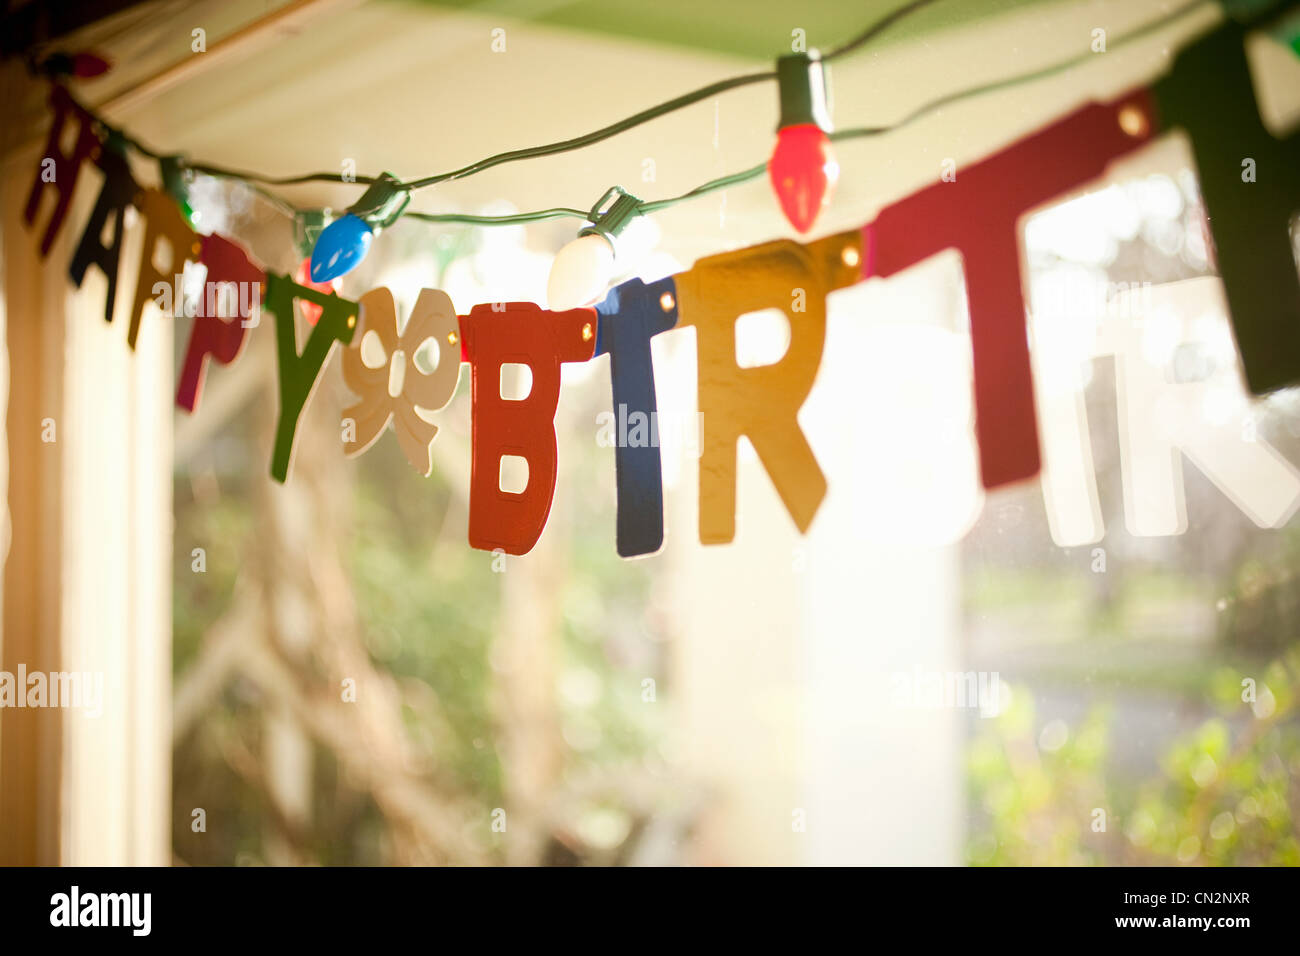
(580,273)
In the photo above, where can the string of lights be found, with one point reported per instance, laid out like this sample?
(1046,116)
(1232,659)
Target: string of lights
(578,142)
(802,168)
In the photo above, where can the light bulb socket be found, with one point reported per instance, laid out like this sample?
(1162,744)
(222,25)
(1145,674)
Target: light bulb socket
(1286,30)
(83,65)
(804,86)
(382,202)
(57,64)
(307,227)
(176,177)
(114,139)
(608,222)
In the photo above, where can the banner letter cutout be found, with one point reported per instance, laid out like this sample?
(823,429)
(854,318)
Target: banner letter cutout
(115,195)
(299,373)
(212,335)
(761,403)
(1208,419)
(66,168)
(526,334)
(1211,96)
(630,316)
(978,214)
(395,389)
(162,220)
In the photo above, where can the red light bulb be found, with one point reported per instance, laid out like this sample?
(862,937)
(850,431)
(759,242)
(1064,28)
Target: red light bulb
(81,65)
(803,172)
(86,65)
(803,168)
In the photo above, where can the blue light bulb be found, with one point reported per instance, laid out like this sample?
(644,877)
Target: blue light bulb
(340,248)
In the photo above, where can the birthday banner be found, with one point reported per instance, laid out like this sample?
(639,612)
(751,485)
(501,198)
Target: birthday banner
(1208,94)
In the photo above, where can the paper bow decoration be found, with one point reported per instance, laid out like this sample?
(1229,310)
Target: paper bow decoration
(397,389)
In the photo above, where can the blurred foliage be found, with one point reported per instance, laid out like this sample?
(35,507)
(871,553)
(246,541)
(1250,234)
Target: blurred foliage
(1226,793)
(1179,619)
(429,612)
(1262,611)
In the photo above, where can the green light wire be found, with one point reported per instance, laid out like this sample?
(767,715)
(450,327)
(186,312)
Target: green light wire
(550,149)
(252,180)
(735,179)
(564,212)
(520,218)
(1061,66)
(754,172)
(578,142)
